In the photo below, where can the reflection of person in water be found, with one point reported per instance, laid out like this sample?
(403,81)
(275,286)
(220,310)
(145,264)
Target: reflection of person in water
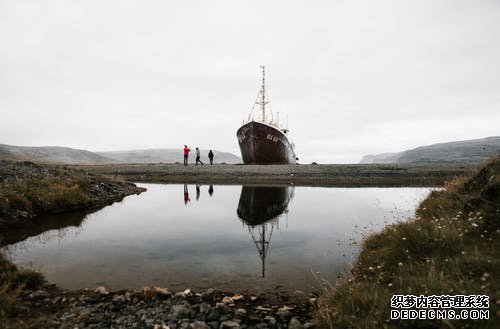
(197,192)
(186,194)
(211,190)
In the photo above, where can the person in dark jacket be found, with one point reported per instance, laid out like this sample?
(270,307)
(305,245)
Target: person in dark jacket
(211,157)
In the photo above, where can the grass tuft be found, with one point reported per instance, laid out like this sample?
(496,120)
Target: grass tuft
(13,283)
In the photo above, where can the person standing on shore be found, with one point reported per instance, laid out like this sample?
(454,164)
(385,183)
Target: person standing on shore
(198,157)
(186,154)
(211,157)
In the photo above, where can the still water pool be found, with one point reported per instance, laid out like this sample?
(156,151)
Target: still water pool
(225,237)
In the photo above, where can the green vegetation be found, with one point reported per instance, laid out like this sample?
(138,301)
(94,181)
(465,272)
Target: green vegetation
(451,248)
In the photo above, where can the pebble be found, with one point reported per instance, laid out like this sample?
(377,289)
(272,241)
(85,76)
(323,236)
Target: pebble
(118,299)
(295,324)
(240,312)
(199,325)
(180,311)
(270,319)
(229,325)
(102,291)
(39,294)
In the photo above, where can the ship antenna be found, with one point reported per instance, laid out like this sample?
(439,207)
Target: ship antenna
(261,97)
(263,91)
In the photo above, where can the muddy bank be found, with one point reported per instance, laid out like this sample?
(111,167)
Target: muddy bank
(352,175)
(29,190)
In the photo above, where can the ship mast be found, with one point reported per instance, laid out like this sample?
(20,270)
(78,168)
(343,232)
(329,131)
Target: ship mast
(262,243)
(263,101)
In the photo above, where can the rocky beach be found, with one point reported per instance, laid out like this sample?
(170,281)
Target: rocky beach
(160,308)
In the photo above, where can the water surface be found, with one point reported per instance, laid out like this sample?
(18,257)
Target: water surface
(226,237)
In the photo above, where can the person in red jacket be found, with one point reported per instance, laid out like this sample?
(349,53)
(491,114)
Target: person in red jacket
(186,194)
(186,154)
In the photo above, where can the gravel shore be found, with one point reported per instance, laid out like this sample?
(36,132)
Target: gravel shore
(160,308)
(307,175)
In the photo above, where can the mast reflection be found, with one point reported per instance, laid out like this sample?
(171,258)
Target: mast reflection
(260,208)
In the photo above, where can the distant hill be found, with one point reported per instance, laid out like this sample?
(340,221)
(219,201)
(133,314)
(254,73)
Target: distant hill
(66,155)
(50,154)
(469,151)
(167,156)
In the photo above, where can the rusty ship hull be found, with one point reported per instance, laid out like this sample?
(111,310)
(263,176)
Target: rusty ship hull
(263,144)
(260,204)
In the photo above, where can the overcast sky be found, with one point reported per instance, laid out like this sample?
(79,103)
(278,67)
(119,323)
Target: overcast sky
(354,77)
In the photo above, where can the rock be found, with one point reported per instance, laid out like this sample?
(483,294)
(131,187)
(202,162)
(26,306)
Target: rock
(39,294)
(162,292)
(118,299)
(270,319)
(295,324)
(214,325)
(284,311)
(199,325)
(180,311)
(254,318)
(84,315)
(229,325)
(183,325)
(237,297)
(23,214)
(67,316)
(228,301)
(102,291)
(299,293)
(147,292)
(204,308)
(226,317)
(240,312)
(260,308)
(222,308)
(184,294)
(213,315)
(208,295)
(161,326)
(128,296)
(96,318)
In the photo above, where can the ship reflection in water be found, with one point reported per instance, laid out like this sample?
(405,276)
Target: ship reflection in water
(260,208)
